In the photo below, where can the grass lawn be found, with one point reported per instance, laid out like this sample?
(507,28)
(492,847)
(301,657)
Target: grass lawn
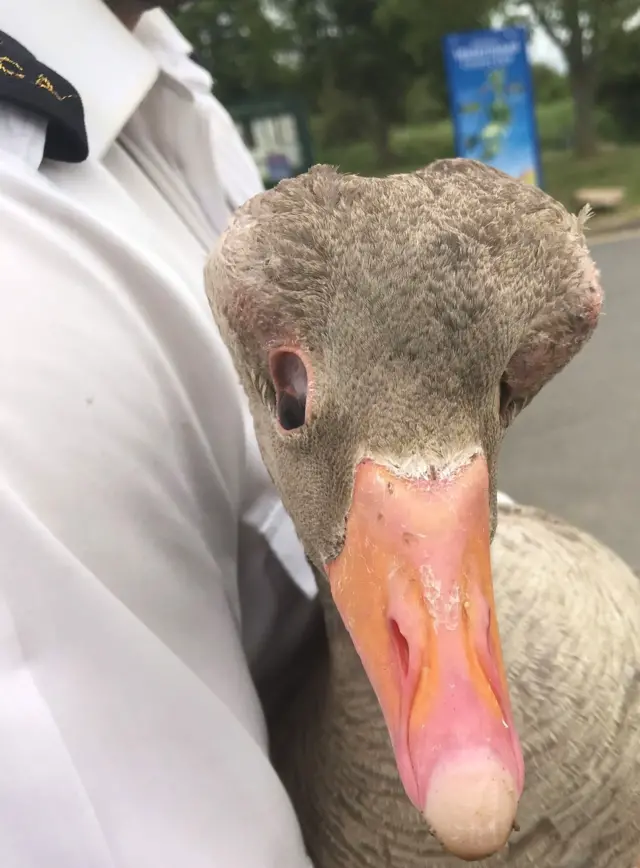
(416,146)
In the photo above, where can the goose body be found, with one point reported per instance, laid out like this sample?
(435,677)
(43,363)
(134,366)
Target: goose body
(387,332)
(576,693)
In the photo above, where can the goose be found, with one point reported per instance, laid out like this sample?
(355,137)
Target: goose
(387,331)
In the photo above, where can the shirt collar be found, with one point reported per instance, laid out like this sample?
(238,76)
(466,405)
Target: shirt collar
(111,68)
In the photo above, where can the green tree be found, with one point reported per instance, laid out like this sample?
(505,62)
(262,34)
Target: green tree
(351,61)
(584,31)
(240,45)
(370,53)
(425,23)
(548,84)
(619,87)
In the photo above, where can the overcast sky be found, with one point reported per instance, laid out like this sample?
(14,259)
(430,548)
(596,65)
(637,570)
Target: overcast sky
(544,50)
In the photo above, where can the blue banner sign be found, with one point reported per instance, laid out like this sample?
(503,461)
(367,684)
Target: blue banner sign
(491,99)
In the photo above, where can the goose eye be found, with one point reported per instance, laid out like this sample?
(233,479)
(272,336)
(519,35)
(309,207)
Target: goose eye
(506,399)
(290,379)
(510,403)
(290,411)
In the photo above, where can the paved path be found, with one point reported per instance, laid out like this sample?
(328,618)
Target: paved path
(576,450)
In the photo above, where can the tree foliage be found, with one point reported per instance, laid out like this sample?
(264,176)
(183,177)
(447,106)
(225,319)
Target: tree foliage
(360,62)
(369,54)
(584,31)
(364,65)
(548,84)
(619,85)
(351,60)
(239,44)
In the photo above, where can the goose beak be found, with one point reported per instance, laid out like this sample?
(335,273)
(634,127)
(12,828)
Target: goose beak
(413,586)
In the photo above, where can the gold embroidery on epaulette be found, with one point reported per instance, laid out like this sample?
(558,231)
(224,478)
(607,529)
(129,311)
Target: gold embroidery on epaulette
(12,68)
(16,72)
(43,81)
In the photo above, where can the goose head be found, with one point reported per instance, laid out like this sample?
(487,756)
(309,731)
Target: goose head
(387,331)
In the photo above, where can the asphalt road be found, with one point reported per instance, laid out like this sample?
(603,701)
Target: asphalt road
(576,450)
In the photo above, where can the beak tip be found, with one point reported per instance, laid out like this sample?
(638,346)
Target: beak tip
(471,805)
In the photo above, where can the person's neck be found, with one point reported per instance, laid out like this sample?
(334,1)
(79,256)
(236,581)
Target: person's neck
(129,12)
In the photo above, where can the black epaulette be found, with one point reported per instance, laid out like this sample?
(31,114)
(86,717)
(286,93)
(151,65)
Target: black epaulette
(29,84)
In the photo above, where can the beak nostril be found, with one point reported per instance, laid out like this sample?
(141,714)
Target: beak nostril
(401,646)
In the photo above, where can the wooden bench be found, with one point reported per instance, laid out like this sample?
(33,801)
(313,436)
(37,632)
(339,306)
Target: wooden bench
(600,198)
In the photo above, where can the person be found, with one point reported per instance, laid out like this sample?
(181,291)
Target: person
(146,563)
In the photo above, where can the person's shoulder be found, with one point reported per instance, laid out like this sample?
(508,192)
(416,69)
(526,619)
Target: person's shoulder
(45,101)
(35,239)
(41,118)
(25,192)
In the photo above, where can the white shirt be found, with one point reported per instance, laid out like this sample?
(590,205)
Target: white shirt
(130,731)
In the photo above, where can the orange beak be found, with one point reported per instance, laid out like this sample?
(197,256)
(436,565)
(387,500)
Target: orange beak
(413,586)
